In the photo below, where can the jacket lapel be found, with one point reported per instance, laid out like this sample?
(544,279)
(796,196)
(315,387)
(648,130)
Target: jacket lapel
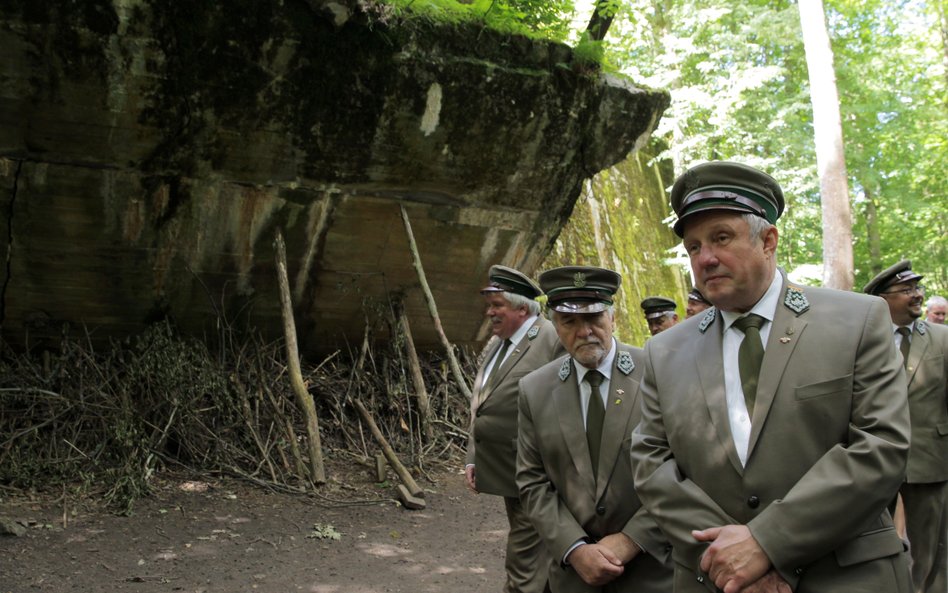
(620,403)
(567,401)
(785,333)
(710,356)
(920,343)
(484,390)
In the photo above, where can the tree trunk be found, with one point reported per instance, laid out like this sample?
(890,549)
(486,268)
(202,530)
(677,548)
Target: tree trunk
(830,159)
(601,20)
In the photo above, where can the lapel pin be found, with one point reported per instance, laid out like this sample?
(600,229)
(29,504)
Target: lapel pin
(620,391)
(789,331)
(784,340)
(618,401)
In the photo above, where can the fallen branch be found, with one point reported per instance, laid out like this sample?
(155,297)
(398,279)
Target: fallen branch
(305,400)
(433,309)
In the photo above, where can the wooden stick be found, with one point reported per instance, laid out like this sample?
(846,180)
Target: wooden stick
(433,309)
(303,398)
(387,450)
(414,365)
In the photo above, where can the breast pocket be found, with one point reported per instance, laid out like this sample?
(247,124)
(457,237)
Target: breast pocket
(838,386)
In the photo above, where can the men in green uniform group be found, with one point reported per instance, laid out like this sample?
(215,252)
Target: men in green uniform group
(576,414)
(659,313)
(775,426)
(525,342)
(924,348)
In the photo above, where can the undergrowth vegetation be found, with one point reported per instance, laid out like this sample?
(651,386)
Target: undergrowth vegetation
(101,423)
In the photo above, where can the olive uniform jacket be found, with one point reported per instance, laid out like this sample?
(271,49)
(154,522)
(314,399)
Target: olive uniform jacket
(492,441)
(927,370)
(828,444)
(554,473)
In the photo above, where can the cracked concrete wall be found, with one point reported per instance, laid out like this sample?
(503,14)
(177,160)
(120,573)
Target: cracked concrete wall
(149,151)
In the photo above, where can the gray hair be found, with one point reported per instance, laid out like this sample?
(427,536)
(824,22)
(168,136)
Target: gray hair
(518,301)
(936,300)
(758,225)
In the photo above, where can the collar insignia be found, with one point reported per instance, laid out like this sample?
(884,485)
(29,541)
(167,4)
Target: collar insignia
(566,369)
(795,300)
(579,280)
(534,331)
(921,326)
(708,319)
(624,362)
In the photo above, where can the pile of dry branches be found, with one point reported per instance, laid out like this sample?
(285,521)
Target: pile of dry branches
(105,422)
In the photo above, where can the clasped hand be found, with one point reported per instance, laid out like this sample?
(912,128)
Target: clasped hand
(736,562)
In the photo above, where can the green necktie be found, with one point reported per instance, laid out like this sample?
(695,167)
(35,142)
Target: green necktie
(905,345)
(749,357)
(498,360)
(595,414)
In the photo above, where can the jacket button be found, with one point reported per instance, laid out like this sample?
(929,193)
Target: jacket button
(753,502)
(600,510)
(798,571)
(700,579)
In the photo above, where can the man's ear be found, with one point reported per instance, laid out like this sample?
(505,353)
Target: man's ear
(770,240)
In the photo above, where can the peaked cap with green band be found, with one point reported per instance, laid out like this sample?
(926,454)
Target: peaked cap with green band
(656,306)
(725,185)
(504,279)
(894,274)
(579,289)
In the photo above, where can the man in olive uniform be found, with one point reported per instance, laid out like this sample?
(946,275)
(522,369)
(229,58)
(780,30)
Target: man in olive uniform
(924,348)
(576,414)
(696,303)
(775,426)
(525,341)
(936,309)
(659,313)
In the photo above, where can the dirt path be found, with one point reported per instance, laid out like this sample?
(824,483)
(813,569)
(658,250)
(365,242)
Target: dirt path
(233,538)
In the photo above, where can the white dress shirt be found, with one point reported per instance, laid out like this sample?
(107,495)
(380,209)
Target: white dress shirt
(518,335)
(740,420)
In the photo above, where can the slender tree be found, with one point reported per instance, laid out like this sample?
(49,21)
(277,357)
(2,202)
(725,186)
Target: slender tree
(830,159)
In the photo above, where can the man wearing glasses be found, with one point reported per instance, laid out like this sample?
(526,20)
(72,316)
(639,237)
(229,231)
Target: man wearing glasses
(924,348)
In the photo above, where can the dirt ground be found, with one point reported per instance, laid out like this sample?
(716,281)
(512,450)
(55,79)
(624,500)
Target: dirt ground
(233,537)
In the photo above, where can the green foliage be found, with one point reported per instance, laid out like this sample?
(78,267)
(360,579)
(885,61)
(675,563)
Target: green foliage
(547,19)
(740,90)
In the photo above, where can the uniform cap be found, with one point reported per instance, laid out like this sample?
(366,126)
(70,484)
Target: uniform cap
(657,306)
(579,289)
(725,185)
(695,295)
(504,279)
(895,274)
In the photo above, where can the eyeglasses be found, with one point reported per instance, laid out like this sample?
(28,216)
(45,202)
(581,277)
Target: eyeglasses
(908,291)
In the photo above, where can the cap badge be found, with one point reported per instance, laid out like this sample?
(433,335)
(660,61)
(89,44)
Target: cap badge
(534,331)
(624,362)
(708,319)
(565,369)
(579,280)
(795,300)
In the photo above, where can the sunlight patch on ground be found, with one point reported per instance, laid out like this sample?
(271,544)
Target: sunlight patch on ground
(381,550)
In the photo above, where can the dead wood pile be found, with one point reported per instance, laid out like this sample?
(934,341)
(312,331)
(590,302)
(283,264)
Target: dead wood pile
(103,423)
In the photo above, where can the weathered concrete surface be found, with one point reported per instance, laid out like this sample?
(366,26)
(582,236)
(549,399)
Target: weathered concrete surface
(150,150)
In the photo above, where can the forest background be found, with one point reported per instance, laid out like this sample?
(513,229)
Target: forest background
(740,89)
